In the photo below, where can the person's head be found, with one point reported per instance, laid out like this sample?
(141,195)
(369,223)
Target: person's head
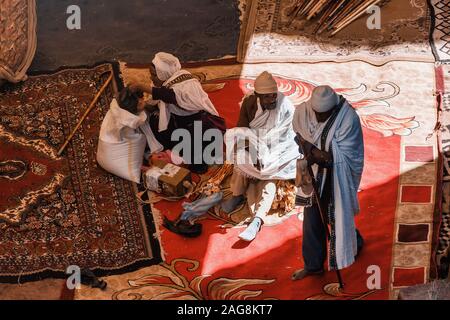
(130,100)
(266,89)
(323,101)
(164,66)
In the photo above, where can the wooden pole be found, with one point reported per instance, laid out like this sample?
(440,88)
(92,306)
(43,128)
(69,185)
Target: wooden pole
(354,16)
(332,7)
(348,9)
(86,113)
(355,11)
(316,9)
(297,5)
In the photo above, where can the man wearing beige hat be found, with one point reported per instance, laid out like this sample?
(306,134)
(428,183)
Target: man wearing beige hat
(264,139)
(330,138)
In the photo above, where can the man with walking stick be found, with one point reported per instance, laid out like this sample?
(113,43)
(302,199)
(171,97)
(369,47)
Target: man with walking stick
(330,138)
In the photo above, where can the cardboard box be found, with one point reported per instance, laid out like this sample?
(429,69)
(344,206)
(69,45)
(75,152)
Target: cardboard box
(171,179)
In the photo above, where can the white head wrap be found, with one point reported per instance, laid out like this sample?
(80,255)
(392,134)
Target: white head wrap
(324,98)
(166,65)
(189,94)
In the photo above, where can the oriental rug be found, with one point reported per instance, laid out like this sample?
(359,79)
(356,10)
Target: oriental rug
(441,29)
(268,36)
(18,38)
(443,77)
(397,197)
(441,48)
(58,211)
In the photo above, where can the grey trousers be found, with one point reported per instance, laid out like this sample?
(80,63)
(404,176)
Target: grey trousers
(260,193)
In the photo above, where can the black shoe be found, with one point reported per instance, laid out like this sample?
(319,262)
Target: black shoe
(89,279)
(183,228)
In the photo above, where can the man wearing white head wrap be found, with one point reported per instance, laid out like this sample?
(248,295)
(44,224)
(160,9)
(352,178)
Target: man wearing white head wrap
(166,65)
(181,102)
(330,137)
(265,123)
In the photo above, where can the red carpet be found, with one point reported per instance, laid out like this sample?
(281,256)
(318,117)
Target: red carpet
(57,211)
(397,197)
(276,252)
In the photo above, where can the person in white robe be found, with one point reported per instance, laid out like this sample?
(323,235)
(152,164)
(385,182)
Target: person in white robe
(124,135)
(180,102)
(330,134)
(263,151)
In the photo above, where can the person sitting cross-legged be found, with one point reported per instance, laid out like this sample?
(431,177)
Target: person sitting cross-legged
(264,151)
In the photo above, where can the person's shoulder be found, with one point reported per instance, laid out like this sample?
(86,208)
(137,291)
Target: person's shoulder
(249,101)
(301,108)
(351,118)
(351,112)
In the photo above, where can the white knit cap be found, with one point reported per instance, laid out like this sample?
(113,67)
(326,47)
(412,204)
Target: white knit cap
(166,65)
(324,98)
(266,84)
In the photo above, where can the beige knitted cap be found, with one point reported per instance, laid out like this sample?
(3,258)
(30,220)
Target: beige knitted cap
(265,84)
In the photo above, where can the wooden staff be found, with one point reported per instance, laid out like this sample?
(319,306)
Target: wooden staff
(355,16)
(88,110)
(296,7)
(334,15)
(317,9)
(307,8)
(341,15)
(359,8)
(296,11)
(332,7)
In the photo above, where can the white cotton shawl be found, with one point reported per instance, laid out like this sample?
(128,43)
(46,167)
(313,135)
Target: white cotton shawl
(272,136)
(120,125)
(190,97)
(345,138)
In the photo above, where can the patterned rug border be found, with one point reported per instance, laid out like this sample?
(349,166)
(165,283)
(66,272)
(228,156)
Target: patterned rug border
(147,214)
(249,19)
(433,30)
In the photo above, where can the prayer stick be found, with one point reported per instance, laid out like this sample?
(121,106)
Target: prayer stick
(354,16)
(332,7)
(348,9)
(298,5)
(88,110)
(307,8)
(362,6)
(316,9)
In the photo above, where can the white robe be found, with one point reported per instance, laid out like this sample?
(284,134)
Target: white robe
(272,137)
(190,96)
(122,141)
(346,141)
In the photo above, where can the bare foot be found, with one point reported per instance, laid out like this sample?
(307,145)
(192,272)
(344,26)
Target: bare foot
(302,273)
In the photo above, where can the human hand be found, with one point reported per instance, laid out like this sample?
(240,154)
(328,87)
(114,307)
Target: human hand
(305,147)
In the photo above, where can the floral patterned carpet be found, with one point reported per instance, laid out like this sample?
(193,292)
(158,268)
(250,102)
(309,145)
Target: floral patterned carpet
(57,211)
(267,35)
(397,197)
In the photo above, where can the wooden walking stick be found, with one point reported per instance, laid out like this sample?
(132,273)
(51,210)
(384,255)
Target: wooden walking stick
(358,13)
(86,113)
(316,195)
